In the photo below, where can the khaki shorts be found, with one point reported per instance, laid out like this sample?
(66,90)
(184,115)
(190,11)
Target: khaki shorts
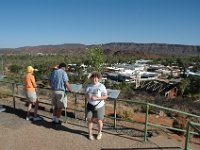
(59,99)
(31,96)
(97,114)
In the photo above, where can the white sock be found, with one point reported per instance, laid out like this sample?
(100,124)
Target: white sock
(54,118)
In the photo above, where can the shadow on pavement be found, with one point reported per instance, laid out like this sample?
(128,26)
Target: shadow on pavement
(154,148)
(22,114)
(61,127)
(19,112)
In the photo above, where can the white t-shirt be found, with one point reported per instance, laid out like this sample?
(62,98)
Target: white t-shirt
(97,90)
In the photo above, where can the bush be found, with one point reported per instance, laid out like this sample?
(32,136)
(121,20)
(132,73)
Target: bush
(126,114)
(181,123)
(152,110)
(5,92)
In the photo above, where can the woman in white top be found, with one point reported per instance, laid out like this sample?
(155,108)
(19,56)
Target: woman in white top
(96,93)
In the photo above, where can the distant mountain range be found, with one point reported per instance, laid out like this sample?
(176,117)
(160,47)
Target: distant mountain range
(119,48)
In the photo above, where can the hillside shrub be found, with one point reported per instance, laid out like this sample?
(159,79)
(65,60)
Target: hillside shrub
(180,122)
(5,92)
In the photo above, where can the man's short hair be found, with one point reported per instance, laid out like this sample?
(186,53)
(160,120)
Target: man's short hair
(62,65)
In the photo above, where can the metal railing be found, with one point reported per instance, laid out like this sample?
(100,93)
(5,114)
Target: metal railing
(190,125)
(146,123)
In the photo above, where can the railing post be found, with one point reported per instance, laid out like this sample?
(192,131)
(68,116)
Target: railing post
(85,108)
(75,105)
(65,120)
(187,136)
(146,122)
(13,94)
(115,113)
(65,115)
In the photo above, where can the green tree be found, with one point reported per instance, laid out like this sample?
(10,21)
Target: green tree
(183,87)
(95,56)
(15,68)
(194,85)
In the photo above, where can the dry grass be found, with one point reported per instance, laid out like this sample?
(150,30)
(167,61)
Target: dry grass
(5,92)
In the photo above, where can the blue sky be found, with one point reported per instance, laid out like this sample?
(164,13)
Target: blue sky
(41,22)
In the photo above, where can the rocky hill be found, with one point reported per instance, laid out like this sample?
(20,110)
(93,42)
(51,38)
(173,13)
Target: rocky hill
(112,48)
(153,48)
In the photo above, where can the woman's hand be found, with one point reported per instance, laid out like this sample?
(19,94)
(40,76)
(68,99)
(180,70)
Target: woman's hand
(94,98)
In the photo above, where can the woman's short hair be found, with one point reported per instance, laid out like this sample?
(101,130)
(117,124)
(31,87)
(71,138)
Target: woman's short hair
(95,74)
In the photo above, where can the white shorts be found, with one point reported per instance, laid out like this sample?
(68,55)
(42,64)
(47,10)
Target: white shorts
(31,96)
